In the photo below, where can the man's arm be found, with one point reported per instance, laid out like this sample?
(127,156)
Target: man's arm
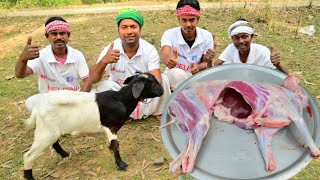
(97,71)
(165,54)
(86,85)
(275,60)
(30,51)
(218,62)
(282,68)
(157,74)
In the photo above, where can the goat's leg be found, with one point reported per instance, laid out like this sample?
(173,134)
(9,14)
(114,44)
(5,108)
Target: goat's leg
(264,135)
(56,146)
(114,146)
(42,140)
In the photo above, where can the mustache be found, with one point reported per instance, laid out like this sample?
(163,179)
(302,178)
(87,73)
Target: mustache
(59,41)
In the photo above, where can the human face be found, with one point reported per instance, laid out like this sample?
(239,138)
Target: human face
(129,32)
(242,42)
(58,39)
(188,24)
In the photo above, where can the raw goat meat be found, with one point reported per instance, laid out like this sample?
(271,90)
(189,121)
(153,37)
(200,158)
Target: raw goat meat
(266,108)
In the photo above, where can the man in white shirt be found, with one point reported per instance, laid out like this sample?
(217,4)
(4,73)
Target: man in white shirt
(242,50)
(127,55)
(187,49)
(58,66)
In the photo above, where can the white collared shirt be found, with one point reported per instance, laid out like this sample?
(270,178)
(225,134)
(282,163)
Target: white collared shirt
(258,55)
(145,60)
(186,55)
(54,76)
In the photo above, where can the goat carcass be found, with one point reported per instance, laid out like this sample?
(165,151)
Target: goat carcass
(266,108)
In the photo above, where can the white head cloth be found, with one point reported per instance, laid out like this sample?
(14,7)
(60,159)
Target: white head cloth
(240,27)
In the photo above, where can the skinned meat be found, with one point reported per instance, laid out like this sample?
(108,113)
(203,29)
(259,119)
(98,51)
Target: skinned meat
(266,108)
(193,124)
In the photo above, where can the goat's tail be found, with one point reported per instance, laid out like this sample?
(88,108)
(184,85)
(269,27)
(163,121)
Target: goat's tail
(32,119)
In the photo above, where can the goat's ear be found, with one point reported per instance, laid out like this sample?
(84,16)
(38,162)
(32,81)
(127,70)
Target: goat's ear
(129,79)
(137,89)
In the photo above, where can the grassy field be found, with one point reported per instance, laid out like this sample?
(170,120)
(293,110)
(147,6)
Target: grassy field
(140,141)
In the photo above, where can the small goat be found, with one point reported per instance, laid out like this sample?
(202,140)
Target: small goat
(69,112)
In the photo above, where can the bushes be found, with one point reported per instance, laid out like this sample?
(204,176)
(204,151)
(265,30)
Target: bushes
(49,3)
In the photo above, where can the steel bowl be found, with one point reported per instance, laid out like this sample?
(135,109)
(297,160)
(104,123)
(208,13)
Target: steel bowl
(228,152)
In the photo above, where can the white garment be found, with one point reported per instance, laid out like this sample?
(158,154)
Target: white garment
(146,59)
(154,106)
(176,76)
(258,55)
(240,27)
(55,76)
(186,55)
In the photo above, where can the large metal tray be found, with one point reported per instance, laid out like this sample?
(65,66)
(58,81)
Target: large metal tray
(228,152)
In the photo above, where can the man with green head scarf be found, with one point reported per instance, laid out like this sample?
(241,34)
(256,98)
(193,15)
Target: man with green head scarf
(124,57)
(130,14)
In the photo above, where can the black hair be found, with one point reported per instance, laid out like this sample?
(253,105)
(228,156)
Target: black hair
(53,19)
(193,3)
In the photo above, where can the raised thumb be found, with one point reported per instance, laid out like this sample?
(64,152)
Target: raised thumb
(111,46)
(29,40)
(175,52)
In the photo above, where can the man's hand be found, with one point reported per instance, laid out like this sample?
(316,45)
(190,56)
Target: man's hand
(209,55)
(194,68)
(30,51)
(172,61)
(112,55)
(275,56)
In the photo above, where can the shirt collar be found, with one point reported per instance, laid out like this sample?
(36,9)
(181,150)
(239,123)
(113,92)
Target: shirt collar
(52,59)
(199,37)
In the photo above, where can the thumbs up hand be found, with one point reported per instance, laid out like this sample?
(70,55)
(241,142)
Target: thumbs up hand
(112,55)
(194,68)
(210,53)
(172,61)
(274,56)
(30,51)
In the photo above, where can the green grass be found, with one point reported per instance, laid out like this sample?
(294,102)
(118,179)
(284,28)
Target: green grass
(90,34)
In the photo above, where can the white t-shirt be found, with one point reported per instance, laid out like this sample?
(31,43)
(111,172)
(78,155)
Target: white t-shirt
(145,60)
(186,55)
(55,76)
(258,55)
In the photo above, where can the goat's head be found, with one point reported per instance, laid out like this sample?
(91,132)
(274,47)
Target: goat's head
(144,85)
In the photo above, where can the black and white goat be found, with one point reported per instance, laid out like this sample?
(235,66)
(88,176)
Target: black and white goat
(70,112)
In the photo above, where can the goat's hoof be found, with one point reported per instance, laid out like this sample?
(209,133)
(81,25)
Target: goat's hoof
(122,166)
(28,174)
(64,154)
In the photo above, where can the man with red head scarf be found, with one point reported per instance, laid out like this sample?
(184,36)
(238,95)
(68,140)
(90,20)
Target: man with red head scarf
(187,49)
(58,66)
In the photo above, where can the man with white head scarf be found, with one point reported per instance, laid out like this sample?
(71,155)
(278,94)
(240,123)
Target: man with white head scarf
(242,50)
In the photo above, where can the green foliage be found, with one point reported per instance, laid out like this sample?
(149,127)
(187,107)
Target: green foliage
(45,3)
(7,4)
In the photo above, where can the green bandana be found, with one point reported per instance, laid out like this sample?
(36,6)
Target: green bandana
(130,14)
